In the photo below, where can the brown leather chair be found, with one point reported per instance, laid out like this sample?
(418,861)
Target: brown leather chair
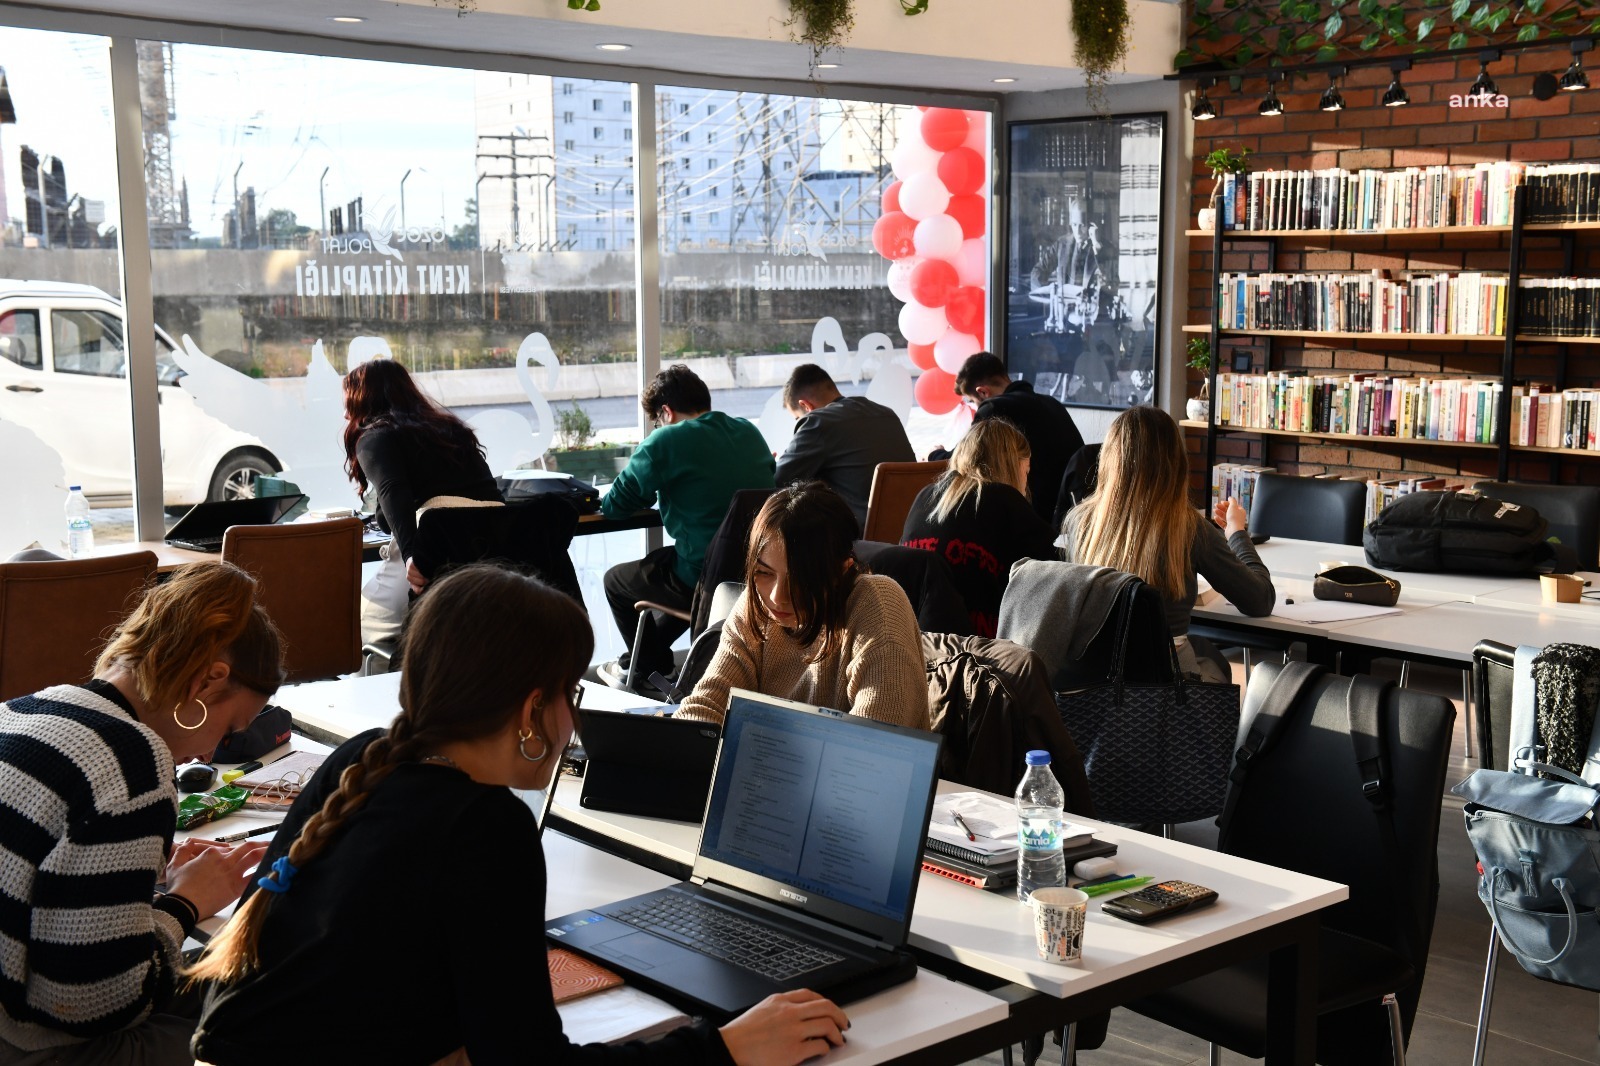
(310,585)
(894,489)
(56,615)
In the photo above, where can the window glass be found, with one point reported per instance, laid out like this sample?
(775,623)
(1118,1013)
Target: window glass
(767,210)
(65,416)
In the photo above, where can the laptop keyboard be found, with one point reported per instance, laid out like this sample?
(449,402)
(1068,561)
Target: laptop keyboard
(199,544)
(716,932)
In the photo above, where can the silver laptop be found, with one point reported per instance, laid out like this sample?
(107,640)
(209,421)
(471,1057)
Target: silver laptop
(806,872)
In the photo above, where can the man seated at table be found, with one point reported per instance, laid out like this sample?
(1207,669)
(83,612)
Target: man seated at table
(1052,435)
(691,464)
(838,439)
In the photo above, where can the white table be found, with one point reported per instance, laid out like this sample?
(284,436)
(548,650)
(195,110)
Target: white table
(907,1020)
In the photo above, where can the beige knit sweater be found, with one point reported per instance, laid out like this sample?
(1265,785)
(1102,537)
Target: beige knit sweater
(878,672)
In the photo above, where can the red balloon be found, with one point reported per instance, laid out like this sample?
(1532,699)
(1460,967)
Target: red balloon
(921,356)
(972,212)
(932,282)
(963,171)
(944,128)
(964,310)
(891,197)
(892,234)
(936,391)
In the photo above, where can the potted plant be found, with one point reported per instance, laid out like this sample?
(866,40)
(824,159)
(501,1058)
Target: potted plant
(1199,351)
(578,453)
(1221,161)
(822,24)
(1099,43)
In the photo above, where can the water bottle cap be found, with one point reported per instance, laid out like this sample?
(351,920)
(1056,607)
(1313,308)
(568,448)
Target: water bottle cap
(1038,758)
(74,488)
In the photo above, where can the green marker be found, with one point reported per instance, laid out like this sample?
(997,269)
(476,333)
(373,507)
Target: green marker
(1123,885)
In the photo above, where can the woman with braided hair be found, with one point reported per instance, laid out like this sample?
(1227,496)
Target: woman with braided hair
(408,879)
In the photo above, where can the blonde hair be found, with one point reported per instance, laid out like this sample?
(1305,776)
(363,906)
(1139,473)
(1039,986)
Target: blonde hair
(991,451)
(204,613)
(1138,519)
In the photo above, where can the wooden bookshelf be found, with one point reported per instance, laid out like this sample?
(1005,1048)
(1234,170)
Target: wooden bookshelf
(1362,438)
(1340,335)
(1591,452)
(1422,231)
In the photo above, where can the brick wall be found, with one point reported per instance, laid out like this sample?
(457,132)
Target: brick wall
(1366,134)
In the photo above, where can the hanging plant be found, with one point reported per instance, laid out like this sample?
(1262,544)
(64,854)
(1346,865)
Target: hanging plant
(821,24)
(584,5)
(914,7)
(1099,43)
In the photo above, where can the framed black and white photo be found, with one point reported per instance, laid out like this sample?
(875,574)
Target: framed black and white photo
(1083,257)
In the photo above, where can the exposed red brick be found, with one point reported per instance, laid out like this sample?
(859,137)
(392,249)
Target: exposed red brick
(1327,260)
(1542,149)
(1395,137)
(1573,126)
(1424,115)
(1528,107)
(1366,157)
(1517,129)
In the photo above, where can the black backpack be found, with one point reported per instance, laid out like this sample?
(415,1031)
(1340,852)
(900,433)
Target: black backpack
(1460,532)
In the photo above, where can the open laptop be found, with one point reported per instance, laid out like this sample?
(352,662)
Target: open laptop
(806,873)
(202,526)
(645,764)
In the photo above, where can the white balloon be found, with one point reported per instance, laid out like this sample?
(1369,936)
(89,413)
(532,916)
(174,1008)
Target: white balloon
(900,278)
(978,132)
(922,325)
(924,195)
(953,349)
(972,263)
(913,156)
(938,237)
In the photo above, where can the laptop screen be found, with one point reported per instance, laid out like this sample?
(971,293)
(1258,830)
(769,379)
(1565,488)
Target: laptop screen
(823,805)
(213,519)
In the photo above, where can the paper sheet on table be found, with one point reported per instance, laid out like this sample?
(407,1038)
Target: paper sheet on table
(1316,611)
(616,1015)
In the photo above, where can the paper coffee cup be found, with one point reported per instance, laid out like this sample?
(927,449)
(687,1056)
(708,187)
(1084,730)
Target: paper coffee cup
(1561,588)
(1059,918)
(1328,564)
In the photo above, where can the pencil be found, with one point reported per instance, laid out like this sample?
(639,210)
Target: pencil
(260,830)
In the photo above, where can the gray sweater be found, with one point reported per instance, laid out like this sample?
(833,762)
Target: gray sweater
(841,444)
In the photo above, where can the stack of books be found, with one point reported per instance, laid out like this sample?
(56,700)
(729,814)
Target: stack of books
(988,858)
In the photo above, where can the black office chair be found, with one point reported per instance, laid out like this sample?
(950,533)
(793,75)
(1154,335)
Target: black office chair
(1077,481)
(1573,512)
(927,580)
(1302,806)
(1308,508)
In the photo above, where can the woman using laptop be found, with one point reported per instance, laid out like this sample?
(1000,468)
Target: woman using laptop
(88,808)
(413,454)
(977,516)
(1139,520)
(811,626)
(408,881)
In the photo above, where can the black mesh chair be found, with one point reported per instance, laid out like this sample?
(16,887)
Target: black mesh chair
(1308,508)
(1573,512)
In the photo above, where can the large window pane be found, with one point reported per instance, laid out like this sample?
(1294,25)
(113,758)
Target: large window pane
(64,412)
(768,205)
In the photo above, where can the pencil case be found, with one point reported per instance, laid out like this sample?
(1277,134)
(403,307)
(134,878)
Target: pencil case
(203,807)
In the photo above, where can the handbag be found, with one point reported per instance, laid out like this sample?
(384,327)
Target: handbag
(1356,584)
(1538,845)
(1156,752)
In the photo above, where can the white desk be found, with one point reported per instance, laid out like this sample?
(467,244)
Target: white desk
(905,1020)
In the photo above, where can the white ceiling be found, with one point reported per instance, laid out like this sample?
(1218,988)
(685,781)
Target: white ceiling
(573,39)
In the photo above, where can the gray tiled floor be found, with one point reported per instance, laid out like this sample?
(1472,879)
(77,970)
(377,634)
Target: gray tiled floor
(1534,1023)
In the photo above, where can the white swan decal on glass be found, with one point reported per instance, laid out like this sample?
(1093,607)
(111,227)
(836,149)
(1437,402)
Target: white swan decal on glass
(508,440)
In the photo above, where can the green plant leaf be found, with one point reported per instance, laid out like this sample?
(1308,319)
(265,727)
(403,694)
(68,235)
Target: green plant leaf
(1566,14)
(1459,8)
(1370,41)
(1305,42)
(1245,54)
(1425,27)
(1367,8)
(1480,16)
(1533,7)
(1235,82)
(1213,33)
(1594,27)
(1326,53)
(1498,19)
(1331,28)
(592,5)
(1528,33)
(1457,40)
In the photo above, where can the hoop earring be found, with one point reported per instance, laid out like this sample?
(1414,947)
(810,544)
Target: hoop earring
(522,746)
(205,712)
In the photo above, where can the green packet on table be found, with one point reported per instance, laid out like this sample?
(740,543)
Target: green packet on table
(202,807)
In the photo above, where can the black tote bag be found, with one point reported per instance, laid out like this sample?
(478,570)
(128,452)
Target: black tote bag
(1153,752)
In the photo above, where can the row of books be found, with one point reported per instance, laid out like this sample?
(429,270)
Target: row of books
(1559,307)
(1237,480)
(1339,199)
(1377,405)
(1465,303)
(1563,192)
(1234,481)
(1545,418)
(1381,492)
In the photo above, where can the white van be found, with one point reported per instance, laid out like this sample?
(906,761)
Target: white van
(63,375)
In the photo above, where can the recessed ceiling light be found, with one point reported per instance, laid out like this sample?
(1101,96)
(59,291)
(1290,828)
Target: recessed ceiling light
(613,47)
(345,18)
(827,66)
(1004,81)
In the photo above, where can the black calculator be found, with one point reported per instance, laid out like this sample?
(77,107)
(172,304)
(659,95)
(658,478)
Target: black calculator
(1154,902)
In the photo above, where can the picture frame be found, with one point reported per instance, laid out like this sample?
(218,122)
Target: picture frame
(1084,257)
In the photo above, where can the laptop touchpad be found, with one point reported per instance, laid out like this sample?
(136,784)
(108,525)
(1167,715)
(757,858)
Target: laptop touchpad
(641,951)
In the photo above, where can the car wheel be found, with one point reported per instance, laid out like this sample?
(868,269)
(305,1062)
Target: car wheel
(235,476)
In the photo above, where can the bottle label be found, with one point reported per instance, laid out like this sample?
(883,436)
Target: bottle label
(1038,834)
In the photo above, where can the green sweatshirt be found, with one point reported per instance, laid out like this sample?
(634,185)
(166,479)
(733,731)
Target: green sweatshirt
(693,468)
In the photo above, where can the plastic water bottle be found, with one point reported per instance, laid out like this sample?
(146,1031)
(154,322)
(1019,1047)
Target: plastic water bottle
(1040,801)
(80,531)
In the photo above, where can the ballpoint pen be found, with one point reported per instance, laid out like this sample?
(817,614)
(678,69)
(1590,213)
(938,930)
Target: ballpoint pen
(965,828)
(259,830)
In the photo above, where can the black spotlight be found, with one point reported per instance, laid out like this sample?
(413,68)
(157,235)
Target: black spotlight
(1332,98)
(1483,85)
(1203,108)
(1270,104)
(1395,95)
(1575,80)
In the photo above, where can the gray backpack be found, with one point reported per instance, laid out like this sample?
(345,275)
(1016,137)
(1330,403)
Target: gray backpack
(1536,827)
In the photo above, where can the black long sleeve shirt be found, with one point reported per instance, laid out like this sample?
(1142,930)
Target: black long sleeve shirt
(406,469)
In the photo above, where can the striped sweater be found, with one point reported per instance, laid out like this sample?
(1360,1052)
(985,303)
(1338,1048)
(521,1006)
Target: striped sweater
(87,814)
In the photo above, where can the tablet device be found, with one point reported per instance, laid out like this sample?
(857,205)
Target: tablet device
(646,765)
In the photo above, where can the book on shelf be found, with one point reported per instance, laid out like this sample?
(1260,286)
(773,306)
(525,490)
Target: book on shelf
(1405,198)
